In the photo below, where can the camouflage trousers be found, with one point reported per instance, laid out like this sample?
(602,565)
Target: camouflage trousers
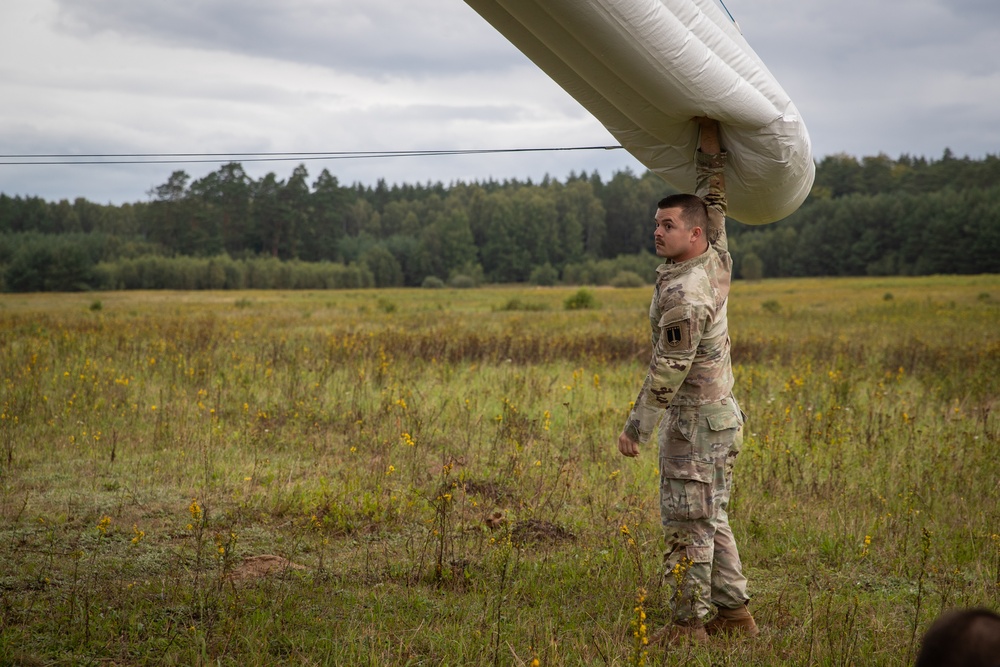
(698,447)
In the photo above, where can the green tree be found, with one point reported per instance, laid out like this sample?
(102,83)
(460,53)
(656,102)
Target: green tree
(840,174)
(295,210)
(752,267)
(383,266)
(536,230)
(412,258)
(326,224)
(447,240)
(503,258)
(581,221)
(877,174)
(269,214)
(361,218)
(64,218)
(630,204)
(50,264)
(401,217)
(172,221)
(226,196)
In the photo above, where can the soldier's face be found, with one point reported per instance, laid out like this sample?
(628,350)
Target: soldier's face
(674,240)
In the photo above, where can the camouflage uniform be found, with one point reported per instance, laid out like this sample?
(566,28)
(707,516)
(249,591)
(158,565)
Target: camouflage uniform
(690,384)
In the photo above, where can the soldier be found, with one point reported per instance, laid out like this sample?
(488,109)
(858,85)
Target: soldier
(690,384)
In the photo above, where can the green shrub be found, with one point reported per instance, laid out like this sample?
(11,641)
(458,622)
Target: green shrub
(517,304)
(462,281)
(627,279)
(582,300)
(603,271)
(196,273)
(45,264)
(432,282)
(469,271)
(545,275)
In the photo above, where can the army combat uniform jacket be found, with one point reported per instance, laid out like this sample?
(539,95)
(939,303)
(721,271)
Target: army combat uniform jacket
(690,365)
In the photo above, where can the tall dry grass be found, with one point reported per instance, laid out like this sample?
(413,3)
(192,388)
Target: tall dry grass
(434,474)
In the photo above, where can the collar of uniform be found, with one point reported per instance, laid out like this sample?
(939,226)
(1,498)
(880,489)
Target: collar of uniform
(669,270)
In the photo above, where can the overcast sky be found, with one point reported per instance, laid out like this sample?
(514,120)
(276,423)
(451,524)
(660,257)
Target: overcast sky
(225,76)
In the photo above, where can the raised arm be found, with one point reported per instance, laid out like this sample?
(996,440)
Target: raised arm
(708,141)
(711,183)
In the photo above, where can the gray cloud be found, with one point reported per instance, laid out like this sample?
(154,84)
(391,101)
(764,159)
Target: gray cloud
(110,76)
(376,37)
(894,76)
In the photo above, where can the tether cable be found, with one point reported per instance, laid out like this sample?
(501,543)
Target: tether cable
(24,159)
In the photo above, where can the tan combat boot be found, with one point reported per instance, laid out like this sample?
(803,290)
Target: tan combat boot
(673,634)
(737,621)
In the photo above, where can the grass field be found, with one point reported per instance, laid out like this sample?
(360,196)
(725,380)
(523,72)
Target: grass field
(430,477)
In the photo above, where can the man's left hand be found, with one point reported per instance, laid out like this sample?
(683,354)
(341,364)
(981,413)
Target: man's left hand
(627,446)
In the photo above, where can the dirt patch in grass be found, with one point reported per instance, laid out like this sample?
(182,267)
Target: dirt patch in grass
(485,489)
(256,567)
(536,530)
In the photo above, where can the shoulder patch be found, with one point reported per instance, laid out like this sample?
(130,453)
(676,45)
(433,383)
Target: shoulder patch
(676,335)
(675,328)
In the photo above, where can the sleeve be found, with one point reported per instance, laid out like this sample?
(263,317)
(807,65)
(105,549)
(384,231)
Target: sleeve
(711,187)
(680,332)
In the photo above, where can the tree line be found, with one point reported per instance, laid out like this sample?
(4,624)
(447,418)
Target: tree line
(873,216)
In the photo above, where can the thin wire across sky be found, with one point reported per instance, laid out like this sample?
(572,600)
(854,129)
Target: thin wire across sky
(25,159)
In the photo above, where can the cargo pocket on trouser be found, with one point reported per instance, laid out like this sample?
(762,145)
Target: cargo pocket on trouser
(679,433)
(686,507)
(719,423)
(685,489)
(686,513)
(723,439)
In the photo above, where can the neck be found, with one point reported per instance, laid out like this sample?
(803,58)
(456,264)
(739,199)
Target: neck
(695,251)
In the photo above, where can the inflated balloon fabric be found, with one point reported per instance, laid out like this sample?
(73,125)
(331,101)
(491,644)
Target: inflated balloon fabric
(646,68)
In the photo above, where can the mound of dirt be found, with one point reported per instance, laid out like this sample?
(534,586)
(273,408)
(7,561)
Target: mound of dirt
(255,567)
(486,489)
(536,530)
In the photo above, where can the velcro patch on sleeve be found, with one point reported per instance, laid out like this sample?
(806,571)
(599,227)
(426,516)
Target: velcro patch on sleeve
(675,329)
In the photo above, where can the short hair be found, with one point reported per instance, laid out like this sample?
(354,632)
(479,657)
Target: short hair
(694,212)
(962,638)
